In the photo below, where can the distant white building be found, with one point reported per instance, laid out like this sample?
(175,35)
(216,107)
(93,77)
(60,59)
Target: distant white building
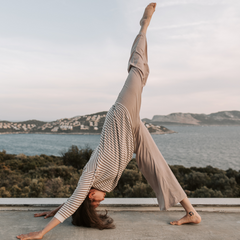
(66,127)
(83,127)
(76,124)
(24,128)
(94,117)
(55,129)
(6,125)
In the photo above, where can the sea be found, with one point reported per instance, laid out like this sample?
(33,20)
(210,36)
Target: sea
(199,146)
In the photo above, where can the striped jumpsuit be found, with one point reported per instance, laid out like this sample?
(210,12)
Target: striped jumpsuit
(124,134)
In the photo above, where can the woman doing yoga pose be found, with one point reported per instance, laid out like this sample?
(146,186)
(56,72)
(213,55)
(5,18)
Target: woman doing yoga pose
(123,134)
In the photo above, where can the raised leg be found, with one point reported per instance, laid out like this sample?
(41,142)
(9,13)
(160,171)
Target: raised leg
(130,95)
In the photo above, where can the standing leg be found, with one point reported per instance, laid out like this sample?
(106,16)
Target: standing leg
(156,170)
(158,174)
(130,95)
(149,159)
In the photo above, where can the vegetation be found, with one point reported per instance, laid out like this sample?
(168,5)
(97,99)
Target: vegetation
(52,176)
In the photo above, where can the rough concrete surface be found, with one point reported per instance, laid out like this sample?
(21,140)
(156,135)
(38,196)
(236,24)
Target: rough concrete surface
(129,225)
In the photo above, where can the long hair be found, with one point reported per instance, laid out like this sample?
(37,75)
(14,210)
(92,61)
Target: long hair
(87,216)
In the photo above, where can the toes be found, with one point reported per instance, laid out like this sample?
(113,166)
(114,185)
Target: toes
(175,223)
(153,5)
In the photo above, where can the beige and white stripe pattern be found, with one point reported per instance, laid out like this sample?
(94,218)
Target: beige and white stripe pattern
(107,162)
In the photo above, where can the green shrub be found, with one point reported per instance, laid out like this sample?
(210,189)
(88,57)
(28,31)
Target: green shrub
(53,176)
(205,192)
(55,188)
(76,157)
(138,190)
(36,188)
(195,180)
(4,193)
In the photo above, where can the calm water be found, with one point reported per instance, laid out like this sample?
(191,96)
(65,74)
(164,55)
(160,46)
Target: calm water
(218,146)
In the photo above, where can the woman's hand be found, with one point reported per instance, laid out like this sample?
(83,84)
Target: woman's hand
(31,235)
(46,214)
(39,235)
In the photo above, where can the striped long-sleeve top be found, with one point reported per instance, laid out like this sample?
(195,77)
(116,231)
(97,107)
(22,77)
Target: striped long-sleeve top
(107,162)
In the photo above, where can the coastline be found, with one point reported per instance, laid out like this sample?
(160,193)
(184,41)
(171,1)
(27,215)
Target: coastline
(48,133)
(76,133)
(191,146)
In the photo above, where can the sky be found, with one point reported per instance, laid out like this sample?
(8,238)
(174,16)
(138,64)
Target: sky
(65,58)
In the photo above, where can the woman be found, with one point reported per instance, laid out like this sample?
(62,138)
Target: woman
(123,134)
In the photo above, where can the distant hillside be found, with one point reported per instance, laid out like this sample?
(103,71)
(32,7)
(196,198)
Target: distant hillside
(219,118)
(87,124)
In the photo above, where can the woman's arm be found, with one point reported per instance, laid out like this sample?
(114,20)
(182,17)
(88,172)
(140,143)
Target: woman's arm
(80,193)
(39,235)
(67,209)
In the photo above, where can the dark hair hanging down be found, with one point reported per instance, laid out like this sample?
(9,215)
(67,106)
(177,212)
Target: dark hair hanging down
(87,216)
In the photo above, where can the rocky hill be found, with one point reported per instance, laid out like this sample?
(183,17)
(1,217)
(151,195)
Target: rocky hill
(87,124)
(218,118)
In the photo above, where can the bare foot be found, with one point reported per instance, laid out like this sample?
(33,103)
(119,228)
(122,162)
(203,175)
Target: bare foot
(149,10)
(191,217)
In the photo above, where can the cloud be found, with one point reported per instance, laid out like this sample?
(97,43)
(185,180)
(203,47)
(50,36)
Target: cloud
(69,67)
(69,79)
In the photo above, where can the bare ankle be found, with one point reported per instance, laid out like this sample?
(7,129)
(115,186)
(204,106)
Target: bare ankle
(143,29)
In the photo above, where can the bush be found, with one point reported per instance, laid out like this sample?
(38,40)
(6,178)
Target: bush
(36,188)
(64,172)
(139,190)
(55,188)
(221,182)
(76,157)
(52,176)
(205,192)
(4,193)
(196,180)
(130,177)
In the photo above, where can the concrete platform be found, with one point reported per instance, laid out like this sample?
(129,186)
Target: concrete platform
(129,225)
(134,220)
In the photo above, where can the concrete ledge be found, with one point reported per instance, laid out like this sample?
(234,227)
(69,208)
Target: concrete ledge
(127,209)
(119,202)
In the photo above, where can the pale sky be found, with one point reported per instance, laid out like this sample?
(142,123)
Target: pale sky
(63,58)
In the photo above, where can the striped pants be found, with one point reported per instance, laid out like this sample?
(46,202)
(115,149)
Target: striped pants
(149,159)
